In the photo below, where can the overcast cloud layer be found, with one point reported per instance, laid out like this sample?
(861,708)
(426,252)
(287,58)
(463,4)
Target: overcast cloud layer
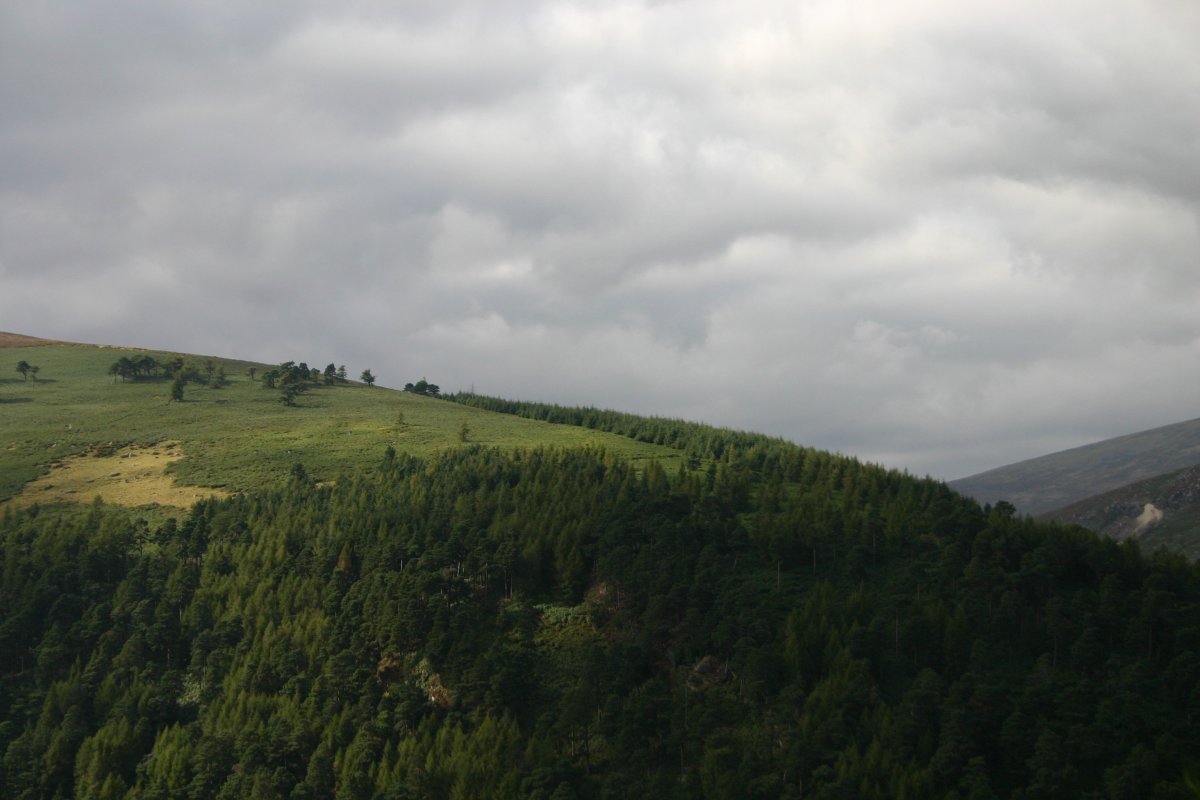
(938,235)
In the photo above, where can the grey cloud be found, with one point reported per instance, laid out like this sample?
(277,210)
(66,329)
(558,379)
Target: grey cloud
(940,237)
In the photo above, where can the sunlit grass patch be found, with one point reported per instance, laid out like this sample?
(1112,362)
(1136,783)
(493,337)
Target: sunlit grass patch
(129,476)
(240,437)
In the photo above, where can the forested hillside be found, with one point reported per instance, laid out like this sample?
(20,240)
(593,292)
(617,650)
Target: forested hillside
(554,623)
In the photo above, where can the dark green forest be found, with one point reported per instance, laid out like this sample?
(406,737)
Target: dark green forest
(770,621)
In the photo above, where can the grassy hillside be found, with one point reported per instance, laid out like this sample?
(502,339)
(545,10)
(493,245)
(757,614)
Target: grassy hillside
(238,437)
(1161,511)
(1039,485)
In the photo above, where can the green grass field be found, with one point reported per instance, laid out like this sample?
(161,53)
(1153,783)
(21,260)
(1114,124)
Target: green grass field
(241,437)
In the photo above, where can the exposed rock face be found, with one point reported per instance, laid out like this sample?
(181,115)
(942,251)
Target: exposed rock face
(1118,519)
(1164,506)
(1151,515)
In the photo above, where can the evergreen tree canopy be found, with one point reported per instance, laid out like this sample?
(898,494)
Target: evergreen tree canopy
(776,622)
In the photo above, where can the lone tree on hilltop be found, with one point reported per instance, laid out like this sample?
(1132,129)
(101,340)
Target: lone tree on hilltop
(23,367)
(423,387)
(367,377)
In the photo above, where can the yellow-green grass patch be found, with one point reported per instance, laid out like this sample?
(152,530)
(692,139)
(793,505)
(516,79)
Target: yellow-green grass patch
(130,476)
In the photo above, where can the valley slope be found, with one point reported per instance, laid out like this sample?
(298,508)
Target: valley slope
(1042,484)
(1163,511)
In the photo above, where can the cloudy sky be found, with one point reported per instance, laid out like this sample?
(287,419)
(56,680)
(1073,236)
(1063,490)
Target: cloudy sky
(937,235)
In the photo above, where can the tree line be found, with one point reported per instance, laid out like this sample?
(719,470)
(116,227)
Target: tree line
(701,442)
(294,379)
(128,368)
(290,378)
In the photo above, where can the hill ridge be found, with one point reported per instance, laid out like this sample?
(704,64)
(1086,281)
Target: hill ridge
(1044,483)
(10,339)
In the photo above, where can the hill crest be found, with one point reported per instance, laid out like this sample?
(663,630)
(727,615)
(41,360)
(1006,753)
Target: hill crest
(9,339)
(1038,485)
(235,433)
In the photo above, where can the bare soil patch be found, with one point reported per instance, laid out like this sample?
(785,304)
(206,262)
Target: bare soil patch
(131,476)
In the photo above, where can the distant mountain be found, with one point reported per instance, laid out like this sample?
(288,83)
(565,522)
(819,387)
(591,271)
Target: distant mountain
(1054,481)
(1160,511)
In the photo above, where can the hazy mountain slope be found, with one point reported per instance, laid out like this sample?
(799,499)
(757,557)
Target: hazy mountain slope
(1053,481)
(1160,511)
